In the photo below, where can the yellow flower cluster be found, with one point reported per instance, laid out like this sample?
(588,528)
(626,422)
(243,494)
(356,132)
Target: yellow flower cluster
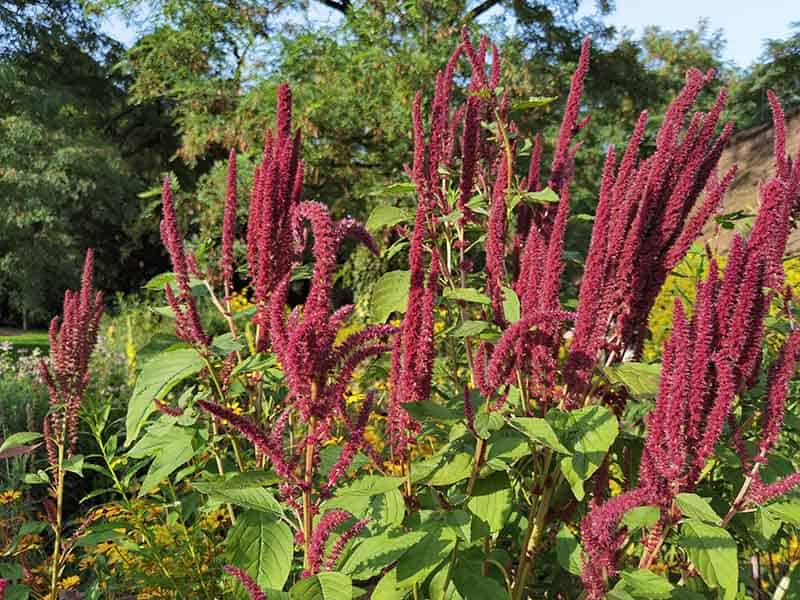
(240,302)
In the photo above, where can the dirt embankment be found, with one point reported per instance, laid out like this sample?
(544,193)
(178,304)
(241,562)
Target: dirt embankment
(752,151)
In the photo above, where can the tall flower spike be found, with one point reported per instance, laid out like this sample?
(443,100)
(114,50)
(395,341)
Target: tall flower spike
(229,225)
(707,361)
(187,319)
(72,341)
(570,125)
(277,188)
(647,218)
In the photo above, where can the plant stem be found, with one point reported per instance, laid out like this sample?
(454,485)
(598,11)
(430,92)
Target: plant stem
(480,446)
(536,523)
(308,477)
(56,559)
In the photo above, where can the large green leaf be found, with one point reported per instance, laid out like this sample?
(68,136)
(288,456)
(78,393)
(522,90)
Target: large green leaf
(696,507)
(540,432)
(713,552)
(262,545)
(511,305)
(370,485)
(641,516)
(467,295)
(158,376)
(474,586)
(568,551)
(386,216)
(492,500)
(389,589)
(170,445)
(325,586)
(390,294)
(453,469)
(641,379)
(374,554)
(19,443)
(590,431)
(427,555)
(242,492)
(644,584)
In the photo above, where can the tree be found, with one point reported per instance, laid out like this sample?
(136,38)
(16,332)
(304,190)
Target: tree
(778,69)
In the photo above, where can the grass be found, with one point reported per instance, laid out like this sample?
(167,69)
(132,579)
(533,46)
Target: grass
(25,339)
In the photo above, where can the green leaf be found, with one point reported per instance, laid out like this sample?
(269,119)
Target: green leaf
(532,102)
(696,507)
(766,523)
(568,551)
(473,586)
(641,379)
(467,295)
(644,584)
(262,545)
(374,554)
(640,517)
(428,554)
(390,294)
(243,493)
(487,423)
(427,410)
(545,196)
(325,586)
(590,432)
(38,478)
(507,446)
(511,305)
(389,589)
(713,552)
(386,510)
(788,512)
(370,485)
(387,216)
(396,189)
(158,376)
(74,464)
(17,441)
(171,447)
(469,329)
(456,468)
(438,580)
(541,432)
(17,591)
(492,500)
(225,344)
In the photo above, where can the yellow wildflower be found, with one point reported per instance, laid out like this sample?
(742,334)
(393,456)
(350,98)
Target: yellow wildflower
(10,496)
(69,582)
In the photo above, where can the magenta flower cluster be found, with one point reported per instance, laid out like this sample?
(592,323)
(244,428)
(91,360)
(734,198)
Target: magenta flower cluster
(708,360)
(72,340)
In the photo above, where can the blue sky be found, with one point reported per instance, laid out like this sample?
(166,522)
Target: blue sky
(746,24)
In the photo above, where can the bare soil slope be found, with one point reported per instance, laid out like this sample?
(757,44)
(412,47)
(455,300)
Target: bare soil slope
(751,150)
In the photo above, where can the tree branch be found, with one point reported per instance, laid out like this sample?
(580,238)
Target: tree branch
(478,10)
(343,6)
